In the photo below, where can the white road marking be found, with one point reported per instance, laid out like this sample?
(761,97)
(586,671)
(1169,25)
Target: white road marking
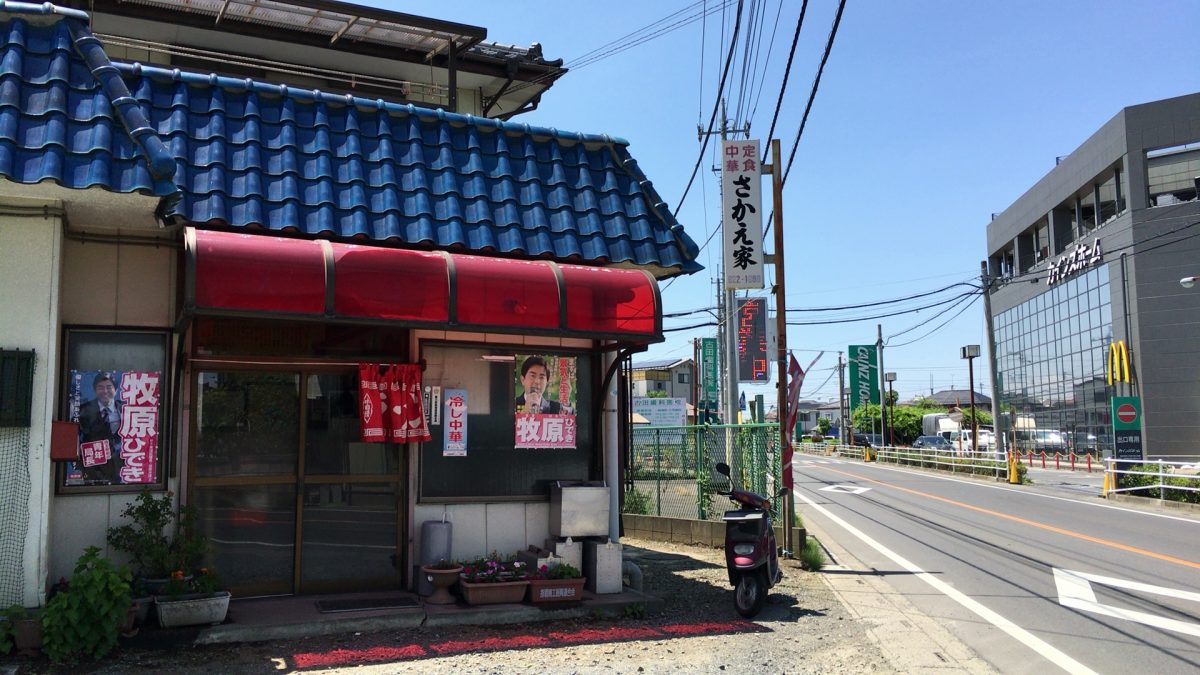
(977,483)
(847,489)
(1023,636)
(1075,591)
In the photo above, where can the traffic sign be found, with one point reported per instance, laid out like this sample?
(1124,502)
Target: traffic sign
(1127,413)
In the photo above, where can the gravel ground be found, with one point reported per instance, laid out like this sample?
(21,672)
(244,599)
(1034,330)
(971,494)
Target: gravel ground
(804,628)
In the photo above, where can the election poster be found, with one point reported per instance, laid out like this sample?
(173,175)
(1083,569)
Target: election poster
(545,401)
(118,416)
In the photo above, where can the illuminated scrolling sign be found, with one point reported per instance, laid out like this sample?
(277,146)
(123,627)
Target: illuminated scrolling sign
(752,340)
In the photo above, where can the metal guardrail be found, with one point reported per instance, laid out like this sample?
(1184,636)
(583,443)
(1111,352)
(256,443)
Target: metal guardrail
(671,469)
(983,464)
(1161,479)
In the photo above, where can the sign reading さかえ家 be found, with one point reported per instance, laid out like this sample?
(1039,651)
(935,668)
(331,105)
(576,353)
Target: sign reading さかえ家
(741,214)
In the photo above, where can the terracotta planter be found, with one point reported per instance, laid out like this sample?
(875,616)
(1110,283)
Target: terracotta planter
(556,591)
(442,580)
(495,593)
(192,610)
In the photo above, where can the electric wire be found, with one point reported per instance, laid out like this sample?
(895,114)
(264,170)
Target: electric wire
(914,310)
(837,20)
(716,106)
(767,63)
(787,72)
(969,300)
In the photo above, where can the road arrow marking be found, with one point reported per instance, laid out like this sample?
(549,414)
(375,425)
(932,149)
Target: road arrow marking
(846,489)
(1075,591)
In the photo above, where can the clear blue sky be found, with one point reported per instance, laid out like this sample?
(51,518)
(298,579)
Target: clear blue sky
(931,115)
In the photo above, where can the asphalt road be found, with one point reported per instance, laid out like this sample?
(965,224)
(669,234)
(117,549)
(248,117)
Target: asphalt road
(1034,578)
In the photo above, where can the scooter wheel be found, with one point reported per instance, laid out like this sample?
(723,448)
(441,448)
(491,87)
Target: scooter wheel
(750,594)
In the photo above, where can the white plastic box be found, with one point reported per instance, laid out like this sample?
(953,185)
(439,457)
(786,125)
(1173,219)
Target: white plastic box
(602,566)
(571,553)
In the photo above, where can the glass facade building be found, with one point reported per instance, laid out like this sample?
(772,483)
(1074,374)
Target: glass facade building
(1051,353)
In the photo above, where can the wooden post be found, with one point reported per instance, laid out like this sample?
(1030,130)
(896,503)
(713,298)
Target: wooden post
(781,333)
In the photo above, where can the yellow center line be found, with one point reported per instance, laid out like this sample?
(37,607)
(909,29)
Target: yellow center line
(1031,523)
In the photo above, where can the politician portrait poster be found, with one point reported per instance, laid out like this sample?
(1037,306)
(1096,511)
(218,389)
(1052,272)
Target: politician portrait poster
(118,415)
(545,401)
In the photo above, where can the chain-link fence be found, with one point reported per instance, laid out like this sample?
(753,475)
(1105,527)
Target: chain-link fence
(14,511)
(671,470)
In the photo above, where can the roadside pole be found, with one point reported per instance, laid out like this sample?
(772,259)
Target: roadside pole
(846,427)
(999,433)
(781,369)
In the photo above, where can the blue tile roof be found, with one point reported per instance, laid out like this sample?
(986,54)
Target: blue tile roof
(245,154)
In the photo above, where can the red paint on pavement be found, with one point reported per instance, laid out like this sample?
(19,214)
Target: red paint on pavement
(349,657)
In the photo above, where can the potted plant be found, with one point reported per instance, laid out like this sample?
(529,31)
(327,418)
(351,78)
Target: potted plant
(492,580)
(442,575)
(86,615)
(192,600)
(155,556)
(562,583)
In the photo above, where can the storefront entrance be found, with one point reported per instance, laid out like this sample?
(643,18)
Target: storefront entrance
(290,499)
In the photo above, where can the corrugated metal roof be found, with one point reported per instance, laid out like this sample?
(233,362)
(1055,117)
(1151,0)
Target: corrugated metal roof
(248,154)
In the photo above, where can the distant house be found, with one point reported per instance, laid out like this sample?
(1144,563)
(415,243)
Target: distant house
(960,398)
(672,378)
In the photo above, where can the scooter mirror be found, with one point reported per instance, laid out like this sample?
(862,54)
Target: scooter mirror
(783,491)
(723,468)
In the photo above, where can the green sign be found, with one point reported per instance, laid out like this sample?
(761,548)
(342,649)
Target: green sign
(708,368)
(864,375)
(1127,427)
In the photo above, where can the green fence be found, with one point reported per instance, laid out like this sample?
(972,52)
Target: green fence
(671,471)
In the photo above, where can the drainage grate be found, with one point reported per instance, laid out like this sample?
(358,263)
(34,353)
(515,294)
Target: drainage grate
(362,604)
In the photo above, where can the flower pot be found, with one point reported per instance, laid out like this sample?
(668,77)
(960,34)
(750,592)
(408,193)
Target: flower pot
(493,593)
(556,591)
(442,580)
(192,610)
(27,635)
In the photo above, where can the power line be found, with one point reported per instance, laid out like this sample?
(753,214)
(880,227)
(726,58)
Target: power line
(786,75)
(837,20)
(716,106)
(970,301)
(884,302)
(883,316)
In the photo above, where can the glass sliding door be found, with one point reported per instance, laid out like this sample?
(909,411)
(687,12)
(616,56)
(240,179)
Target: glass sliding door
(290,499)
(244,463)
(349,534)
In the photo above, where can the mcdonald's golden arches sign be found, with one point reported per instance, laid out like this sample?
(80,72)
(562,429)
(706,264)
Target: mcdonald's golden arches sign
(1118,362)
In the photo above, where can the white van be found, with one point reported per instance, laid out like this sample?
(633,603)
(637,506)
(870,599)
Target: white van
(961,440)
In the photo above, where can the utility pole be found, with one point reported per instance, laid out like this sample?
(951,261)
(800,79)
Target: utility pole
(785,434)
(846,426)
(999,434)
(729,315)
(883,417)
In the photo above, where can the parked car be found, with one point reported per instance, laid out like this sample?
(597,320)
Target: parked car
(868,440)
(932,443)
(1048,440)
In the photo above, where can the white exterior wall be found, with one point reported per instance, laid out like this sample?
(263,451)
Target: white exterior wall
(30,261)
(119,285)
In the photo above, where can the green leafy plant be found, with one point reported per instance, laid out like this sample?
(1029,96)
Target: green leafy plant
(637,502)
(634,610)
(812,558)
(86,618)
(560,571)
(443,564)
(153,553)
(7,620)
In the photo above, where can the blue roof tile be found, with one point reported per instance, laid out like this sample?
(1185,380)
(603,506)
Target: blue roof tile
(247,154)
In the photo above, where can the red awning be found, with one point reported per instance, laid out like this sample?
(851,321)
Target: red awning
(262,275)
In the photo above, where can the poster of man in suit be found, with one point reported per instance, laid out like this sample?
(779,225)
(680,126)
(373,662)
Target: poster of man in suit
(118,416)
(545,401)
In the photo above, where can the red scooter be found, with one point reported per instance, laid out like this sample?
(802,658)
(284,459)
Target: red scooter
(750,553)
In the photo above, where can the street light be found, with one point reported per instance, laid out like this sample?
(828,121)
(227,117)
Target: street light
(890,378)
(970,352)
(1188,282)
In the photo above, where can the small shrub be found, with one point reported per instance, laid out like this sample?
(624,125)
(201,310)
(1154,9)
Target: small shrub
(86,618)
(7,619)
(637,502)
(812,558)
(634,610)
